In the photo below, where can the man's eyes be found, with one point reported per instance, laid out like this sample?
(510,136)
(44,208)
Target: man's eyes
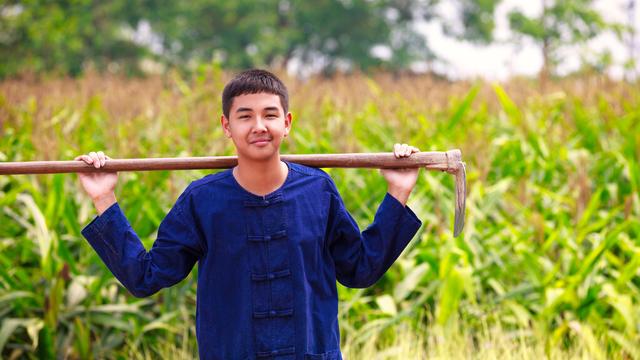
(268,116)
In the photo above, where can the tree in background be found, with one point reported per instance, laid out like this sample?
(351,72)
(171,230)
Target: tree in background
(67,36)
(63,36)
(631,64)
(561,23)
(477,21)
(324,34)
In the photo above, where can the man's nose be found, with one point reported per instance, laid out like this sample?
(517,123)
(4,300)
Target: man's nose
(259,125)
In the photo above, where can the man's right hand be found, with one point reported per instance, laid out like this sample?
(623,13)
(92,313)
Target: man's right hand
(99,186)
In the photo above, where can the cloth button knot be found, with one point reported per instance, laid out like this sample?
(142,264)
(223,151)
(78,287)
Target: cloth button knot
(267,237)
(271,276)
(272,312)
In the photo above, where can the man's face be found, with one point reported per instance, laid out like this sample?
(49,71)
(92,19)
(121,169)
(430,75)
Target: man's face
(257,124)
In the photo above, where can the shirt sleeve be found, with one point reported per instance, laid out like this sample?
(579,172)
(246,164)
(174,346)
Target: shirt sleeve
(362,258)
(171,258)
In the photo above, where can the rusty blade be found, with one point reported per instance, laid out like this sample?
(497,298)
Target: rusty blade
(461,197)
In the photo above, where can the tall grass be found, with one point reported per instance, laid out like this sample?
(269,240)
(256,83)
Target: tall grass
(548,264)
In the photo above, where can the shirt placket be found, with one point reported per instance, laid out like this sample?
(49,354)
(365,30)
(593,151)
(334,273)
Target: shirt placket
(271,282)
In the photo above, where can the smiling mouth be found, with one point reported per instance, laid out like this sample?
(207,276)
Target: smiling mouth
(260,141)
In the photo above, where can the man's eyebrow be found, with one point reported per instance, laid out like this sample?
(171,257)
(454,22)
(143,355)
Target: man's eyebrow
(268,108)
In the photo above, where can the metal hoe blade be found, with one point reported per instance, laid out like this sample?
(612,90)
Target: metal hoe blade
(461,199)
(457,168)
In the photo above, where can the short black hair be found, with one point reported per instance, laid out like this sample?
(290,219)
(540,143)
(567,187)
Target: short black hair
(254,81)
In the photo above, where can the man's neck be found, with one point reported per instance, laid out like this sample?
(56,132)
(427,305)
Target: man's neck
(260,177)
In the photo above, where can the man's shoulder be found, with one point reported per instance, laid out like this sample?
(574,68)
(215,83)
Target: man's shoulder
(316,175)
(309,171)
(208,182)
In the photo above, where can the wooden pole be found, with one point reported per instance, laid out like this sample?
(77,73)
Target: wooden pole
(449,161)
(443,161)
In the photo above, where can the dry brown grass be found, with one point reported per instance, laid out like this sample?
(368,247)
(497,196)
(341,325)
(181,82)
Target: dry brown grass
(124,98)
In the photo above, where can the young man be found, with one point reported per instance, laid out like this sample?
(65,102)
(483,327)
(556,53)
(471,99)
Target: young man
(271,238)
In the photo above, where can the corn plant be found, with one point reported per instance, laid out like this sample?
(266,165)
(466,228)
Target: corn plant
(548,263)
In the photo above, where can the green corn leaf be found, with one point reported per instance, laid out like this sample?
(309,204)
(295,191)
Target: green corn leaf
(450,295)
(462,108)
(509,107)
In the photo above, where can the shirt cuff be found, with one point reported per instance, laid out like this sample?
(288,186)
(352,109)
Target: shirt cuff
(94,230)
(407,214)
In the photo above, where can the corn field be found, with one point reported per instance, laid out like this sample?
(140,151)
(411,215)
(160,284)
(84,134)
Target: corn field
(548,264)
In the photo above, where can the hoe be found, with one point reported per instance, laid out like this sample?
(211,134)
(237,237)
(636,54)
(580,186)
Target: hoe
(449,161)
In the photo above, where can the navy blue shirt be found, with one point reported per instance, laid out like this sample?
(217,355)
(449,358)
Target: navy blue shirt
(268,265)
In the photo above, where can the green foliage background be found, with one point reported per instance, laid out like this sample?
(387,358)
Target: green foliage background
(548,264)
(69,37)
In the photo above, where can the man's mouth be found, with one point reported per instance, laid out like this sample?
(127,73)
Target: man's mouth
(260,141)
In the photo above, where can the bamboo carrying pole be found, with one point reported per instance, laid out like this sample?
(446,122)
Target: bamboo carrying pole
(449,161)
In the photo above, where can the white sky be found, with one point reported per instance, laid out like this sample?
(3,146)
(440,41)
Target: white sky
(502,59)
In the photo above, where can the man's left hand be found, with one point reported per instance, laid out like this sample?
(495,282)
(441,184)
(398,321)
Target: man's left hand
(401,181)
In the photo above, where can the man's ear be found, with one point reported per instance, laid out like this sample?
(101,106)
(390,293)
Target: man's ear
(225,126)
(287,123)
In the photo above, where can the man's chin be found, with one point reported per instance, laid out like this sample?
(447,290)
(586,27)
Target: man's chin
(260,154)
